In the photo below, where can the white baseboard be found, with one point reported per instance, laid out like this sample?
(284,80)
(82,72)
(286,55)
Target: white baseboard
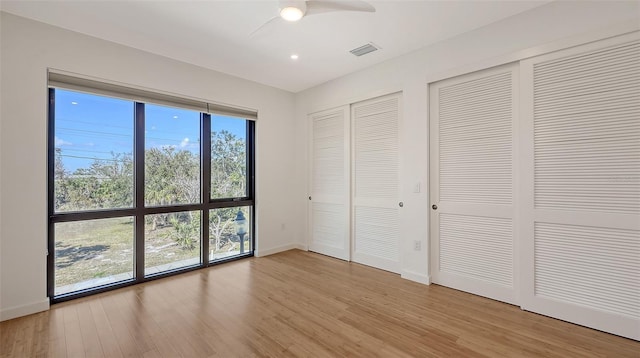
(416,277)
(275,250)
(24,310)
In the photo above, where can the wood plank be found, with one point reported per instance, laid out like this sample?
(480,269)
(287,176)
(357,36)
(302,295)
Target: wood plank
(106,336)
(8,337)
(57,343)
(72,331)
(90,338)
(127,344)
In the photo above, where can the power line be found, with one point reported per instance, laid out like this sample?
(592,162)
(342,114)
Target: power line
(94,124)
(94,158)
(90,151)
(112,126)
(96,134)
(173,140)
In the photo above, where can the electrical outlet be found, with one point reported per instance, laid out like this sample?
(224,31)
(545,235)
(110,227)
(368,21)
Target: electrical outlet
(417,245)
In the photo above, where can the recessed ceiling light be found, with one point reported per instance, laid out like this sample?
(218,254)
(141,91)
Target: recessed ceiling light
(294,57)
(175,117)
(74,103)
(291,13)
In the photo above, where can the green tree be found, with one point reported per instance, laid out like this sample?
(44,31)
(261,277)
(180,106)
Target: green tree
(171,177)
(60,181)
(186,229)
(228,180)
(222,228)
(83,188)
(116,180)
(228,165)
(107,183)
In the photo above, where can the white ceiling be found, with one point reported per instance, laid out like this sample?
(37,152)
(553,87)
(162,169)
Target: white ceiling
(215,34)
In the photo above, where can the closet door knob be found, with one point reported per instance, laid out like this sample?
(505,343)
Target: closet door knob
(400,204)
(434,207)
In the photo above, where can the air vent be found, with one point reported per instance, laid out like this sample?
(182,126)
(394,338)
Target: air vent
(363,50)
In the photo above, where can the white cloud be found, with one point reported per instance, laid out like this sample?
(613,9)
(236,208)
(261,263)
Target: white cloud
(59,142)
(184,143)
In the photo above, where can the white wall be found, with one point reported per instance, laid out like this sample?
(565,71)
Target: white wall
(28,48)
(551,26)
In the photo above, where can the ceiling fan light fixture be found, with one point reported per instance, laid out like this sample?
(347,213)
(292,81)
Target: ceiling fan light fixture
(294,10)
(291,13)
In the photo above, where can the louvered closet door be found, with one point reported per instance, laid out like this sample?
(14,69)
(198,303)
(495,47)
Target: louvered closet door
(472,121)
(376,172)
(581,142)
(329,198)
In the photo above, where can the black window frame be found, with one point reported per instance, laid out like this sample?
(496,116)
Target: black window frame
(139,210)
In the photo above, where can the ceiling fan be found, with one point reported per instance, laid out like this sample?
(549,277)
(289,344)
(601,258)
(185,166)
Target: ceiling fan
(294,10)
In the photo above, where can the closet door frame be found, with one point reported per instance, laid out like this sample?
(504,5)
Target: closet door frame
(530,215)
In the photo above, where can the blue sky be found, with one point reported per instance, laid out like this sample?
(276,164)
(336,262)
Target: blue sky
(89,126)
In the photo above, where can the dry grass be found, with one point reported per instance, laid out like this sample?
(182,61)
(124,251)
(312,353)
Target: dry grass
(93,249)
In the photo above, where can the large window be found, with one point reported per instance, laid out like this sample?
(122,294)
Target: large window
(139,190)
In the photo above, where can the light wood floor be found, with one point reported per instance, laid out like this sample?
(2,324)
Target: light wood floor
(297,304)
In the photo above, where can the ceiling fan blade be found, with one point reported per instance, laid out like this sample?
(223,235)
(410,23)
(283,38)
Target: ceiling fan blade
(321,6)
(271,20)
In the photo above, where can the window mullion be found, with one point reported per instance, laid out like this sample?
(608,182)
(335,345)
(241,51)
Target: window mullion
(205,182)
(251,174)
(51,194)
(251,160)
(139,189)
